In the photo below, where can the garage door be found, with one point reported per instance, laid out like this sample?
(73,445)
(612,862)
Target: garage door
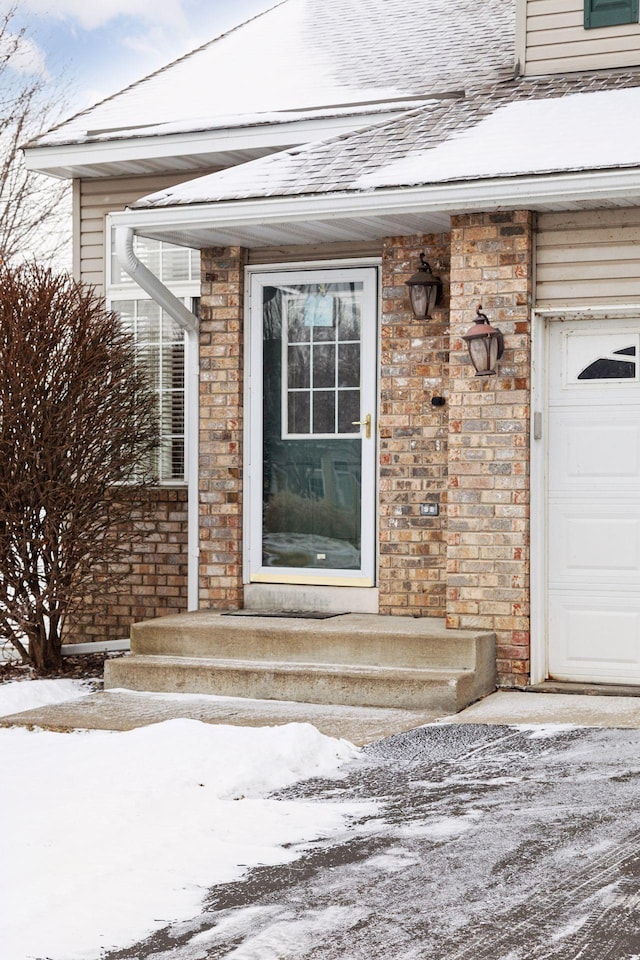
(593,533)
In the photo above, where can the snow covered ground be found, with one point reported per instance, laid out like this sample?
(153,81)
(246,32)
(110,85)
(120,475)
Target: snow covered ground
(26,695)
(109,836)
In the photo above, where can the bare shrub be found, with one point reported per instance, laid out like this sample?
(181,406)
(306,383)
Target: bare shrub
(77,419)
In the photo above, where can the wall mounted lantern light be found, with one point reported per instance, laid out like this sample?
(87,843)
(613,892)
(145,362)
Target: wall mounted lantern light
(485,343)
(425,291)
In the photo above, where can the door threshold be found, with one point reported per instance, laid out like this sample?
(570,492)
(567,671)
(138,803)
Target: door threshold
(585,689)
(286,614)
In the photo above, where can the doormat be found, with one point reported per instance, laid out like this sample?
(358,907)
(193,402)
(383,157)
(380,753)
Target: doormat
(288,614)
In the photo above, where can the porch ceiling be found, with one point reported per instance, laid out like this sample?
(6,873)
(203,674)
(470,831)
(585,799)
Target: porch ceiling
(335,230)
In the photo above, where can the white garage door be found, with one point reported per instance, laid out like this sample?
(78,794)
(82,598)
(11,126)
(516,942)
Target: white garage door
(594,501)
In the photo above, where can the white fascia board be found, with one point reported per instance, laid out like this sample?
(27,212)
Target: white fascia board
(268,136)
(531,192)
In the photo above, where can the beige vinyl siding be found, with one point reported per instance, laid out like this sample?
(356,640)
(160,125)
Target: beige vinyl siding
(557,42)
(588,257)
(97,198)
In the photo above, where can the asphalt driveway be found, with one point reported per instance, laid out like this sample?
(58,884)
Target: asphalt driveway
(488,842)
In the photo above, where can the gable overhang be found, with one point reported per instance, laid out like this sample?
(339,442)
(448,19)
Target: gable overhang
(327,218)
(117,152)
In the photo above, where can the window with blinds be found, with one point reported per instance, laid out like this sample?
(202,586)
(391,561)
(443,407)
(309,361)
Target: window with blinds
(160,341)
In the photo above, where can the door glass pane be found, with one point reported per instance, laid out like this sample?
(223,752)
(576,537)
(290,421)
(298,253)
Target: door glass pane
(311,448)
(299,408)
(349,365)
(324,411)
(299,368)
(324,365)
(348,410)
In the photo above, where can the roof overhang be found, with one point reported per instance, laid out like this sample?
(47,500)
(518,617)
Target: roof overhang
(130,153)
(385,212)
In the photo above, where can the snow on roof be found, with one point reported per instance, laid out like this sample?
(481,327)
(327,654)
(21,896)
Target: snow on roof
(221,121)
(577,132)
(269,176)
(527,129)
(304,55)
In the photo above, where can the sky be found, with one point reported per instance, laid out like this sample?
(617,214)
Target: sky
(93,48)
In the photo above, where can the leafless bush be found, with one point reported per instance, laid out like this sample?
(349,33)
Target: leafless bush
(77,422)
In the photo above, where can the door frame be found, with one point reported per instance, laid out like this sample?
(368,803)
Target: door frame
(252,449)
(541,320)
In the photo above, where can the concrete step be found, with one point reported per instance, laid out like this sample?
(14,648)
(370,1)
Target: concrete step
(352,659)
(444,691)
(348,638)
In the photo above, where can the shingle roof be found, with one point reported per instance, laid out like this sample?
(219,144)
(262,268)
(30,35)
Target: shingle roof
(309,54)
(377,156)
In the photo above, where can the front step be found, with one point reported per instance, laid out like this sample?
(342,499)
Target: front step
(352,659)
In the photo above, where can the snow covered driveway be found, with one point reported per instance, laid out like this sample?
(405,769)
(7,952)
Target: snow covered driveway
(491,843)
(108,836)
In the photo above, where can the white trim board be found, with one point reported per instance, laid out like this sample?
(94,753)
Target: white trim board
(252,439)
(540,319)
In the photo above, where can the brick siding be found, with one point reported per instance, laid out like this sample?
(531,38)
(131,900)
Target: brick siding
(155,576)
(221,424)
(488,534)
(413,433)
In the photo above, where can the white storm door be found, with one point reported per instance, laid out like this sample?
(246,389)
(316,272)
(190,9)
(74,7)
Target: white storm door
(312,472)
(594,501)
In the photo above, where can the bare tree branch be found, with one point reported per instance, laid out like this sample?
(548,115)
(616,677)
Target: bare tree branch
(33,208)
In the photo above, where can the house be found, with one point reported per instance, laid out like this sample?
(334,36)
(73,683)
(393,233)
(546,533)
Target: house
(271,193)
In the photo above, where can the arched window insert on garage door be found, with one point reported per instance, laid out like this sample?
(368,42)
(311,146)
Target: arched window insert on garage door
(611,366)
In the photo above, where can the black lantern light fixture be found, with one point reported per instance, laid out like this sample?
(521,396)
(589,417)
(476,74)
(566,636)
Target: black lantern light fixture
(485,343)
(425,290)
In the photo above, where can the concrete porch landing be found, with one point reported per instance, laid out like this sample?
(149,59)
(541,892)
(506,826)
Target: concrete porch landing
(125,710)
(128,709)
(356,660)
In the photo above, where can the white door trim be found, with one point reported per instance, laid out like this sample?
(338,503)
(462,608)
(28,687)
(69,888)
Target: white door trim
(540,324)
(538,497)
(252,455)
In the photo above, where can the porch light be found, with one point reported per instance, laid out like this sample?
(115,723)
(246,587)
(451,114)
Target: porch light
(424,290)
(485,343)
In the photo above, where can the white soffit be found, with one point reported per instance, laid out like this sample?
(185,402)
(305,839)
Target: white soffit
(196,151)
(373,215)
(316,232)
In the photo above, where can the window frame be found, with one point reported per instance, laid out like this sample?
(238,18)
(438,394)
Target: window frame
(189,292)
(609,13)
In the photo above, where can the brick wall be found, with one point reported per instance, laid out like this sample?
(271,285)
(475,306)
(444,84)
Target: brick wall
(221,424)
(471,456)
(488,533)
(155,575)
(413,433)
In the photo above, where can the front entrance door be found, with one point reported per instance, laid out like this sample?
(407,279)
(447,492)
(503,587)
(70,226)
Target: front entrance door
(594,501)
(312,363)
